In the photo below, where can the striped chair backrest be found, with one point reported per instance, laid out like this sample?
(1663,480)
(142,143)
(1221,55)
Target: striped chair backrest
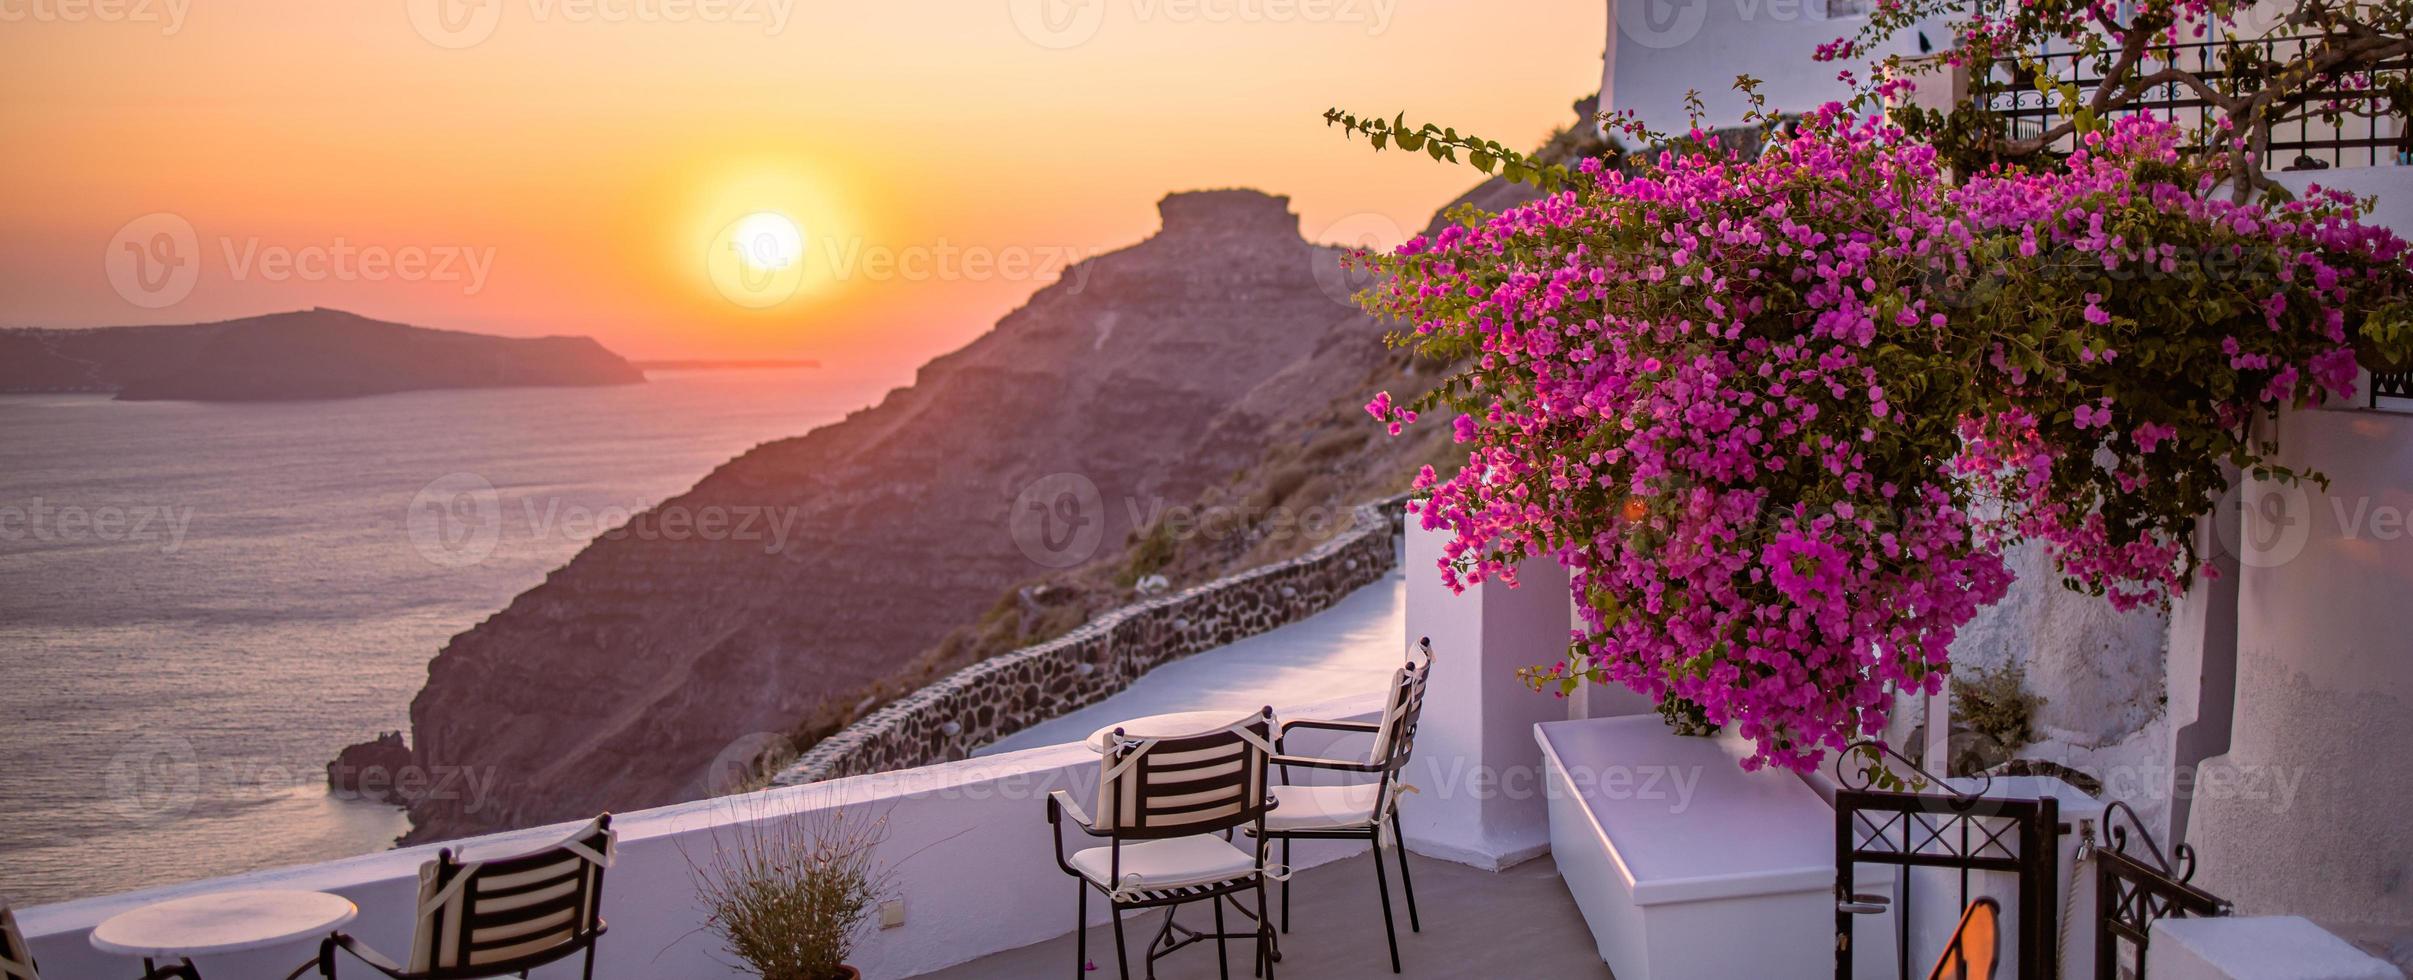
(512,912)
(1191,784)
(1401,710)
(16,959)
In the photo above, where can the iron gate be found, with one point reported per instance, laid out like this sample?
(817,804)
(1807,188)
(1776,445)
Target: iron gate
(1967,833)
(2133,890)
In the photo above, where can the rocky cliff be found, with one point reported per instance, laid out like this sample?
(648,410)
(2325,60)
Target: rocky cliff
(318,353)
(1313,455)
(1141,377)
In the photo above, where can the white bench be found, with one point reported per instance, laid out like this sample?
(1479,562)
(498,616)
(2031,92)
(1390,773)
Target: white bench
(1686,866)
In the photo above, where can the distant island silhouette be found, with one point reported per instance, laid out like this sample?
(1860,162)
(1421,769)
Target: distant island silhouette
(761,364)
(306,354)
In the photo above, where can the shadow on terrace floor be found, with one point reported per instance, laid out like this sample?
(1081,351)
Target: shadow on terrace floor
(1518,923)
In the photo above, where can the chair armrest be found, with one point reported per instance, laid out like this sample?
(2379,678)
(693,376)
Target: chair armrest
(1059,801)
(1354,727)
(1332,726)
(1316,762)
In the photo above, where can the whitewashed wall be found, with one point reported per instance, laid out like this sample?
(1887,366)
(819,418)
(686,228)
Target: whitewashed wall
(1659,49)
(2306,813)
(1477,768)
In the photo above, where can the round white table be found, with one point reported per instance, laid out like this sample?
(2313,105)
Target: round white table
(222,922)
(1171,724)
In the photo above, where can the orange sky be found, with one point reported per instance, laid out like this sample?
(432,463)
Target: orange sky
(575,166)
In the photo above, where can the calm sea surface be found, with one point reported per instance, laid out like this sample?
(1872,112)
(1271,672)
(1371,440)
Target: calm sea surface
(201,603)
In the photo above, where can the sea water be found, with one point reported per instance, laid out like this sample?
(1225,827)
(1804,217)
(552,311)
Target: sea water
(200,604)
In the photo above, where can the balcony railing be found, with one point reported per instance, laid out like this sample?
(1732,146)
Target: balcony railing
(2396,386)
(2365,131)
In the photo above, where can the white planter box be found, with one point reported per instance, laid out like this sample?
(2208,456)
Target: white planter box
(1686,866)
(2279,947)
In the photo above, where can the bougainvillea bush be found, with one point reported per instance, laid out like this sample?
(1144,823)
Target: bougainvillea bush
(1782,417)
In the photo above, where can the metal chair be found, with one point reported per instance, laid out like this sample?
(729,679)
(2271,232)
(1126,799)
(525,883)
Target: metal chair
(1360,811)
(497,918)
(1167,808)
(17,958)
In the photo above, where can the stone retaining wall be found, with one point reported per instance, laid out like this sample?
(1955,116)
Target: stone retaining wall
(979,704)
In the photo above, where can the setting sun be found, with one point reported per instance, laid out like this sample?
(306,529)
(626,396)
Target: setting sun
(768,240)
(758,260)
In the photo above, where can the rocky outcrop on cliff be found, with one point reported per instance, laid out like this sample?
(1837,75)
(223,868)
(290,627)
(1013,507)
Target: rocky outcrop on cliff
(373,770)
(1314,454)
(318,353)
(640,671)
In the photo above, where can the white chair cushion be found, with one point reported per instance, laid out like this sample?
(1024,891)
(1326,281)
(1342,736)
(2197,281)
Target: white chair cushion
(1173,862)
(1323,807)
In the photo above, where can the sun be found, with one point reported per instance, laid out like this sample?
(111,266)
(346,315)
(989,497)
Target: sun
(757,261)
(761,234)
(766,241)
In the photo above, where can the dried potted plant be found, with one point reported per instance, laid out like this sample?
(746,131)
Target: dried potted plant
(788,894)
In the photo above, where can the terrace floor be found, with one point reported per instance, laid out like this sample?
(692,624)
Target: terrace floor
(1519,922)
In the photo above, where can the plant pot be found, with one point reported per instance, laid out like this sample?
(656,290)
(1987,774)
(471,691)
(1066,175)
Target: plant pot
(846,972)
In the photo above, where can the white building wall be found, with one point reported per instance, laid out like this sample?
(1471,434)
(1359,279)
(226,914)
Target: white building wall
(2306,814)
(1659,49)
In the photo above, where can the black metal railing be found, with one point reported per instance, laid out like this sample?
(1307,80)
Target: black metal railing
(2364,127)
(2394,384)
(1957,832)
(2136,886)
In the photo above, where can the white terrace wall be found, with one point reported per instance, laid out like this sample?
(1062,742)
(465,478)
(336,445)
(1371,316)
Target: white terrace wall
(984,702)
(968,841)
